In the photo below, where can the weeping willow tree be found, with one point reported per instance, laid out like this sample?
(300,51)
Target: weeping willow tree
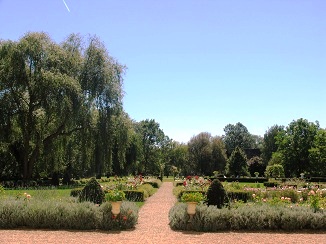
(57,103)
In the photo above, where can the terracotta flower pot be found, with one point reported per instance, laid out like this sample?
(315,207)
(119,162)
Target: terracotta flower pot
(116,207)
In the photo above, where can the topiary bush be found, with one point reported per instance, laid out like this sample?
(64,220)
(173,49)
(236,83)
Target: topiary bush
(92,192)
(216,195)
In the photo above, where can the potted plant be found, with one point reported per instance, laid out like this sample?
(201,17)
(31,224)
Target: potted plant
(192,199)
(115,197)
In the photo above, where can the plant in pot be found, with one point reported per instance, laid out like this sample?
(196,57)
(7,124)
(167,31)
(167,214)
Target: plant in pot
(115,197)
(192,199)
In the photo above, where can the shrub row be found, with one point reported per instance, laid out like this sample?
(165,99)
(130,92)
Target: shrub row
(247,179)
(39,214)
(252,217)
(239,195)
(134,195)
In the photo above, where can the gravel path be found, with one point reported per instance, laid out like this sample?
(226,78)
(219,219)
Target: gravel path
(153,227)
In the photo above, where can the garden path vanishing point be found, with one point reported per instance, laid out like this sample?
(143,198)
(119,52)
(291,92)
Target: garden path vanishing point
(153,227)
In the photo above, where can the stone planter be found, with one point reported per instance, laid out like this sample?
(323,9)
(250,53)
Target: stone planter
(116,207)
(191,208)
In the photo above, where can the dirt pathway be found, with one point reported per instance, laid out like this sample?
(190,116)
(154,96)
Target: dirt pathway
(153,227)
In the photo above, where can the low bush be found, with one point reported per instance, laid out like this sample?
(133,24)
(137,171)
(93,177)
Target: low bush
(154,183)
(40,214)
(148,189)
(75,192)
(247,217)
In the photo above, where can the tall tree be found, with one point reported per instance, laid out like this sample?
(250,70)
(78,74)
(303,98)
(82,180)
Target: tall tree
(294,145)
(180,157)
(269,142)
(317,154)
(219,157)
(153,139)
(237,136)
(200,152)
(49,91)
(40,96)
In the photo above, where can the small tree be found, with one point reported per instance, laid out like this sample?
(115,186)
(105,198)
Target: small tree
(237,163)
(274,171)
(216,194)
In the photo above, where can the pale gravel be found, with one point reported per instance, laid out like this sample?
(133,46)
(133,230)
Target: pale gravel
(153,227)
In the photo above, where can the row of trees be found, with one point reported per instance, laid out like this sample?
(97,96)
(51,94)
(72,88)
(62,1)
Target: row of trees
(61,113)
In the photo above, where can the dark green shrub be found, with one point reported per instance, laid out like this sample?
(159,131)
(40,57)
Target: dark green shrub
(270,184)
(134,195)
(75,192)
(92,192)
(239,195)
(216,194)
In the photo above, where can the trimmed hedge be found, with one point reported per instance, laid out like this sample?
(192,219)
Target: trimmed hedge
(239,195)
(134,195)
(249,179)
(252,217)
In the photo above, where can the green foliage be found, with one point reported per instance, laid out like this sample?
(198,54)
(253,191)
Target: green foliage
(115,195)
(216,194)
(154,183)
(237,136)
(135,195)
(275,171)
(192,197)
(247,217)
(40,214)
(237,163)
(317,154)
(92,192)
(75,192)
(269,143)
(2,189)
(238,195)
(148,189)
(294,145)
(256,166)
(54,104)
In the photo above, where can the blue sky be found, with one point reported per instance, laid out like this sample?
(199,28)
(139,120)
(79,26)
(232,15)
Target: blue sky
(197,65)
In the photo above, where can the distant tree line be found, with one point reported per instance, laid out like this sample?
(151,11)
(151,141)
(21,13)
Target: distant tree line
(61,114)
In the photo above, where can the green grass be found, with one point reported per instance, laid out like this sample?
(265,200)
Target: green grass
(168,179)
(48,194)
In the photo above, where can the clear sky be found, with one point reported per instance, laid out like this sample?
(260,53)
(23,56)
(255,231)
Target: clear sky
(197,65)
